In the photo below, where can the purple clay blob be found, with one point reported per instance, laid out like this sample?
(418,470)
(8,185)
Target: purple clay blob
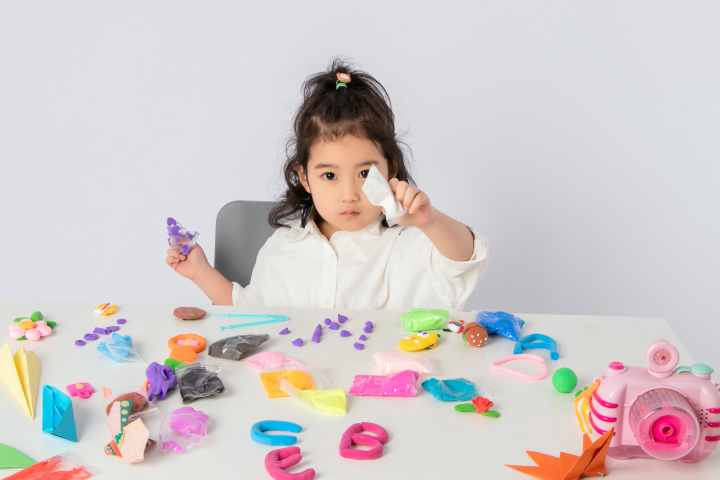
(284,331)
(298,342)
(334,326)
(342,318)
(318,328)
(369,324)
(367,329)
(358,346)
(112,328)
(345,333)
(316,338)
(362,337)
(100,331)
(79,343)
(90,337)
(122,321)
(327,321)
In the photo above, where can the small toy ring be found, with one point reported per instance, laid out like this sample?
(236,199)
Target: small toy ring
(353,435)
(537,340)
(523,356)
(278,460)
(258,429)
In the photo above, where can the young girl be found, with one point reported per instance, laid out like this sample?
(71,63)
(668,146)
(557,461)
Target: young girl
(339,252)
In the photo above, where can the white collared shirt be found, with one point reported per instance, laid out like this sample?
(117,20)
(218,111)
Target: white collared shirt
(374,268)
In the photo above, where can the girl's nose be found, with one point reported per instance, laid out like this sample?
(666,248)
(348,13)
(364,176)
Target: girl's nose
(350,192)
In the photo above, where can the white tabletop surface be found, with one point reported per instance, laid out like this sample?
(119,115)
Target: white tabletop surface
(428,438)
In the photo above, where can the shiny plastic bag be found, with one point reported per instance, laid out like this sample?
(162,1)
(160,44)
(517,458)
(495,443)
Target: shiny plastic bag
(501,323)
(327,401)
(269,361)
(393,362)
(142,406)
(424,319)
(179,238)
(456,389)
(401,384)
(199,381)
(58,467)
(183,429)
(120,348)
(237,347)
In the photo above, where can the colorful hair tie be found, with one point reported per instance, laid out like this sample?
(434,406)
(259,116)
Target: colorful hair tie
(342,80)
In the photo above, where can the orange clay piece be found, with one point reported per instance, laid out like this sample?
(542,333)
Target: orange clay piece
(172,343)
(184,354)
(271,382)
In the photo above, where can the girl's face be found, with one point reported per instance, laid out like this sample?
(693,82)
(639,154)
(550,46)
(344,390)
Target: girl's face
(336,172)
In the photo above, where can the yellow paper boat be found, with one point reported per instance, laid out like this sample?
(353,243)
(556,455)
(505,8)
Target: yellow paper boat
(21,375)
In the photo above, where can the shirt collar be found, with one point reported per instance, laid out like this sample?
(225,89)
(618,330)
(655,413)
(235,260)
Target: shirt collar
(364,239)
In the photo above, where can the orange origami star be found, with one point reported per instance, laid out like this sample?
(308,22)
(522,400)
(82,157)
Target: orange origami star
(571,467)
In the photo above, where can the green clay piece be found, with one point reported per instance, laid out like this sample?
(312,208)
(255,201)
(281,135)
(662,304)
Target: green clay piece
(580,391)
(417,319)
(564,380)
(51,324)
(11,458)
(20,319)
(36,316)
(21,338)
(175,364)
(491,413)
(465,407)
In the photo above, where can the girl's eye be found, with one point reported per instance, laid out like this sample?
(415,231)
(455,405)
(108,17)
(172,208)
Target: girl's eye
(364,173)
(329,176)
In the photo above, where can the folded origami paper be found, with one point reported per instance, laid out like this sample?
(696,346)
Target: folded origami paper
(11,458)
(130,441)
(58,418)
(21,375)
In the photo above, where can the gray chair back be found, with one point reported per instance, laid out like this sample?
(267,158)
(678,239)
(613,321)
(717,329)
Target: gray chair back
(241,229)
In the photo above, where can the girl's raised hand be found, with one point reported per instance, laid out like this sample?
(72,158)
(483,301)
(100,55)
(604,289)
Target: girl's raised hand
(415,201)
(188,265)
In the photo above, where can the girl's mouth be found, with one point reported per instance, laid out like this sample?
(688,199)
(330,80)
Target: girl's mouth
(350,213)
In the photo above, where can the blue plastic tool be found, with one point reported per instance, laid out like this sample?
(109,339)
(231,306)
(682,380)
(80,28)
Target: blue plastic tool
(537,340)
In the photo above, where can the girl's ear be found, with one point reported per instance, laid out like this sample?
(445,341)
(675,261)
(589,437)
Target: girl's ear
(303,178)
(393,170)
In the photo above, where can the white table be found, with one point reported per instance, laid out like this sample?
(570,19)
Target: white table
(428,439)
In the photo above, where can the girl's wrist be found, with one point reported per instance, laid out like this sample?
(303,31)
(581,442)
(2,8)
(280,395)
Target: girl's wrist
(203,273)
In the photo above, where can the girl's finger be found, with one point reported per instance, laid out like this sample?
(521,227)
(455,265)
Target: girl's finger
(393,183)
(409,197)
(420,199)
(400,189)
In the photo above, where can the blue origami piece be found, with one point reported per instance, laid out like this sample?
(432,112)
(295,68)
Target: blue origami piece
(119,348)
(502,323)
(161,378)
(58,418)
(453,390)
(536,340)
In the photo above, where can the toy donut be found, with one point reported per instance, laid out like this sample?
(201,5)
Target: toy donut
(196,342)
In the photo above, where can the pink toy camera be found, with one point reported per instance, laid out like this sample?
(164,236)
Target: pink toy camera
(659,412)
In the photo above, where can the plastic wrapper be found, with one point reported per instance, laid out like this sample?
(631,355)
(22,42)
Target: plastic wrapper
(456,389)
(379,193)
(417,319)
(402,384)
(327,401)
(59,467)
(183,429)
(501,323)
(269,361)
(179,238)
(142,406)
(120,348)
(237,347)
(392,362)
(302,378)
(199,380)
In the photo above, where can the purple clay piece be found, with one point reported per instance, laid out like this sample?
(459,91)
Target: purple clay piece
(121,321)
(79,343)
(327,321)
(318,328)
(100,331)
(367,329)
(369,324)
(284,331)
(345,333)
(316,338)
(298,342)
(112,328)
(358,346)
(362,337)
(334,326)
(342,318)
(90,337)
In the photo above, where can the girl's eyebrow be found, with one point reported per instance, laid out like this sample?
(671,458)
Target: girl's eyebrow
(363,164)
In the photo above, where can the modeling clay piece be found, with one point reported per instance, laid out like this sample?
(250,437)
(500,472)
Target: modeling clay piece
(327,401)
(564,380)
(184,354)
(418,319)
(315,338)
(58,418)
(345,333)
(479,405)
(272,361)
(523,356)
(54,468)
(334,326)
(375,442)
(257,432)
(79,343)
(367,329)
(475,334)
(122,321)
(183,429)
(237,347)
(369,324)
(196,342)
(278,460)
(21,375)
(189,313)
(401,384)
(537,340)
(139,403)
(105,309)
(362,338)
(100,331)
(161,378)
(327,321)
(119,348)
(419,341)
(298,342)
(358,346)
(299,379)
(501,323)
(454,390)
(571,467)
(199,381)
(90,337)
(11,458)
(180,239)
(392,362)
(284,331)
(456,326)
(174,364)
(112,328)
(31,328)
(81,390)
(342,318)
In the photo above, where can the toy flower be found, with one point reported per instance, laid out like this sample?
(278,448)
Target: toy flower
(189,342)
(30,330)
(481,404)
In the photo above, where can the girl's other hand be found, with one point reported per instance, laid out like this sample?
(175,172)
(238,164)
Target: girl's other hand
(415,201)
(188,265)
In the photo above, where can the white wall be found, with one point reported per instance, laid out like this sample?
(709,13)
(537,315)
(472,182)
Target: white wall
(580,137)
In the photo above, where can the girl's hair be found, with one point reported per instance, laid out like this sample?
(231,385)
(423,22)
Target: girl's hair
(328,113)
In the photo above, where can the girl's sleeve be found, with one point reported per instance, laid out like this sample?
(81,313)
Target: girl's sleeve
(238,296)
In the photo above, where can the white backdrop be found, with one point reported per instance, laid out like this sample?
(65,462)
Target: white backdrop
(582,138)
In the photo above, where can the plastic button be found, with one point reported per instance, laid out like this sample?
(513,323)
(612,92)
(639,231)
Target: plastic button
(701,369)
(616,366)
